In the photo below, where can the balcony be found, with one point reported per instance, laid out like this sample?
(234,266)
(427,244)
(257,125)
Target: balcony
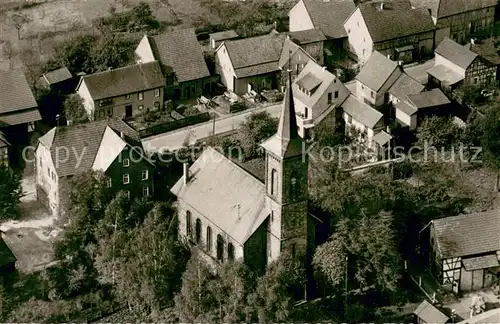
(302,118)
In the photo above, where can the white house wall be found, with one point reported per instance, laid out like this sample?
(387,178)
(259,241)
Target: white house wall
(225,67)
(44,178)
(439,60)
(88,102)
(299,18)
(360,41)
(143,52)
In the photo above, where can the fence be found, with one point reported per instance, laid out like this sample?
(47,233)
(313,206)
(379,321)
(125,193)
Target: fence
(172,125)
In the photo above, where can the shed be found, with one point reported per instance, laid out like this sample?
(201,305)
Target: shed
(217,38)
(428,313)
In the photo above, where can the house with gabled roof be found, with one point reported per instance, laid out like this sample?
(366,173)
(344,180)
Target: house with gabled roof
(326,17)
(124,92)
(242,217)
(256,63)
(459,19)
(428,313)
(59,79)
(456,65)
(182,62)
(317,94)
(393,28)
(18,107)
(465,250)
(109,146)
(487,50)
(312,41)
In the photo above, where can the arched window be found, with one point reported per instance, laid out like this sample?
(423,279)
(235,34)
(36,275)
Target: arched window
(188,223)
(198,231)
(293,187)
(209,239)
(230,252)
(274,181)
(220,248)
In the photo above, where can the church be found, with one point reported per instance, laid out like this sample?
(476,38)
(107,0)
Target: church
(230,214)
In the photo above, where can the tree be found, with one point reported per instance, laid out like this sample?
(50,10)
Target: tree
(75,54)
(257,128)
(143,16)
(18,20)
(10,193)
(112,52)
(490,140)
(74,110)
(439,132)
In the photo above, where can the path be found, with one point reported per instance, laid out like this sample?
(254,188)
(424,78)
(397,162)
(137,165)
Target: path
(176,139)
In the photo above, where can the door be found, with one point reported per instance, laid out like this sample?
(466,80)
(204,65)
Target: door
(477,279)
(128,111)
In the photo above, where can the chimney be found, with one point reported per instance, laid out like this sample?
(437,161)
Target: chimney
(324,68)
(186,173)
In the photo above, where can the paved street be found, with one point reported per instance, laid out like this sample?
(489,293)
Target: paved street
(176,139)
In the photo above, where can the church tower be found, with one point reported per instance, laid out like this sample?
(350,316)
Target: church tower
(286,183)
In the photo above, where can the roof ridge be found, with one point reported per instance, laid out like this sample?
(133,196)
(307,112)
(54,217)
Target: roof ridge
(120,68)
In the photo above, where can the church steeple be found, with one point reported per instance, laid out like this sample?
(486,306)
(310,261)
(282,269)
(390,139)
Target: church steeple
(286,142)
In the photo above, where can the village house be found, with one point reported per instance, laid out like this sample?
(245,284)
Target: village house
(461,19)
(455,65)
(428,313)
(375,79)
(18,107)
(182,61)
(217,38)
(391,27)
(123,92)
(59,80)
(311,41)
(256,63)
(317,95)
(488,51)
(465,250)
(242,217)
(110,146)
(326,17)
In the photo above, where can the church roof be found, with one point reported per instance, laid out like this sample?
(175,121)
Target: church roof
(227,195)
(286,142)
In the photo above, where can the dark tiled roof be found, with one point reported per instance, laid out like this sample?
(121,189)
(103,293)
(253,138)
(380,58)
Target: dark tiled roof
(481,262)
(445,8)
(58,75)
(84,139)
(376,71)
(309,82)
(255,50)
(426,99)
(361,112)
(256,167)
(6,255)
(223,35)
(329,16)
(180,51)
(307,36)
(404,86)
(487,50)
(396,19)
(124,80)
(455,53)
(15,92)
(470,234)
(406,107)
(20,117)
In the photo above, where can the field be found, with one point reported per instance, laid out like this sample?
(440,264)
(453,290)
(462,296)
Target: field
(62,18)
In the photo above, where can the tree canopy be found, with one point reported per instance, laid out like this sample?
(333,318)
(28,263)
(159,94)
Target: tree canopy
(10,193)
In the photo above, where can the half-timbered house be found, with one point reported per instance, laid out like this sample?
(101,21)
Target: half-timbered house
(465,250)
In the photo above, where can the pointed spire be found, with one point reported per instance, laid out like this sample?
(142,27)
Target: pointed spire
(287,127)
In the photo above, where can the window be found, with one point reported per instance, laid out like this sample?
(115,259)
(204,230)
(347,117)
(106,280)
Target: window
(209,239)
(297,68)
(127,96)
(145,191)
(198,231)
(188,223)
(230,252)
(140,96)
(475,80)
(108,183)
(357,23)
(145,174)
(220,248)
(126,179)
(293,187)
(336,94)
(48,171)
(157,105)
(306,115)
(101,113)
(157,92)
(329,98)
(274,181)
(141,107)
(110,112)
(349,119)
(126,163)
